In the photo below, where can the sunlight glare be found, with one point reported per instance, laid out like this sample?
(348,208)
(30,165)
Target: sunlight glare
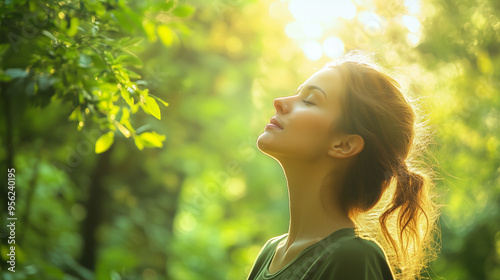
(277,10)
(321,10)
(413,38)
(373,24)
(333,47)
(294,30)
(312,30)
(347,10)
(412,6)
(411,23)
(313,22)
(312,50)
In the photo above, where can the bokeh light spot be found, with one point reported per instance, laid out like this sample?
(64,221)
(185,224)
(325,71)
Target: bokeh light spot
(312,30)
(185,222)
(293,30)
(372,23)
(321,10)
(413,38)
(333,47)
(412,6)
(347,10)
(236,189)
(312,50)
(411,23)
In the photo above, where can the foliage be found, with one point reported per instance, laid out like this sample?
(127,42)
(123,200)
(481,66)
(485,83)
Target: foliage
(461,45)
(83,52)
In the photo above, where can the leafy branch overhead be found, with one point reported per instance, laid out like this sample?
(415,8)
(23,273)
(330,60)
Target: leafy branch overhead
(85,53)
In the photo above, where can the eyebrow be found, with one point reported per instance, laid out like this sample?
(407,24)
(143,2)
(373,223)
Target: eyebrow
(311,87)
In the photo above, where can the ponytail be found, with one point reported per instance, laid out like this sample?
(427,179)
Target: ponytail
(405,204)
(409,219)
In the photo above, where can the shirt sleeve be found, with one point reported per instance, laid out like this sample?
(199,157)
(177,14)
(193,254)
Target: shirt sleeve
(357,260)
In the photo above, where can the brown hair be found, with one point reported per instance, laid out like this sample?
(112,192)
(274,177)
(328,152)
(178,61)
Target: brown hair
(386,192)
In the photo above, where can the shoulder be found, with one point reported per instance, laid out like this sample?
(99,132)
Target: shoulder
(356,249)
(265,255)
(353,257)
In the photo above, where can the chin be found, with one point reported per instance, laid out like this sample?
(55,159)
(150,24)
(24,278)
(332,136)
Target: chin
(267,147)
(262,143)
(265,143)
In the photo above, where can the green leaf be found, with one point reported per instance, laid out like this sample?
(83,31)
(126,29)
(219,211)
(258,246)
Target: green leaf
(73,28)
(15,73)
(46,82)
(48,34)
(84,61)
(108,57)
(124,120)
(95,29)
(139,143)
(149,28)
(123,20)
(159,99)
(129,59)
(167,35)
(151,139)
(169,5)
(125,115)
(104,142)
(183,11)
(126,96)
(76,115)
(125,42)
(144,105)
(153,107)
(131,74)
(122,129)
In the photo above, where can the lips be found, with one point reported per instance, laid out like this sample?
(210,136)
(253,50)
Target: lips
(275,122)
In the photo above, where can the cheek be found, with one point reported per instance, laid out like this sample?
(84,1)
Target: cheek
(311,127)
(305,136)
(309,137)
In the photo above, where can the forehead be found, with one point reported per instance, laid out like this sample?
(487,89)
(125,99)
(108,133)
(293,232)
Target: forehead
(329,79)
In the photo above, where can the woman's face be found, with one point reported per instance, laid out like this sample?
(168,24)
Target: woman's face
(303,124)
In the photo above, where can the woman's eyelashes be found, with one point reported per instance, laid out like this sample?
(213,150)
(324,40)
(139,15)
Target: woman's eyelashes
(307,102)
(308,99)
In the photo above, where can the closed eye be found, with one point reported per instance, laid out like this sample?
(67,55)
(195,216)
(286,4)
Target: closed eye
(307,102)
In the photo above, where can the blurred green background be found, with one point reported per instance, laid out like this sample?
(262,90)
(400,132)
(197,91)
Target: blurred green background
(113,184)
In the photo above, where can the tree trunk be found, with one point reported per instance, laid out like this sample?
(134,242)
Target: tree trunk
(94,206)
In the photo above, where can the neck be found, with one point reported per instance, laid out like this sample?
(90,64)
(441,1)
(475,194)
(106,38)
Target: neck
(314,209)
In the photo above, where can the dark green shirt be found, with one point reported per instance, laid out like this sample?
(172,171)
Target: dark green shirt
(340,256)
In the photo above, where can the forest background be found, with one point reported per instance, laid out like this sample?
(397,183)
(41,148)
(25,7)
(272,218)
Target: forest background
(131,126)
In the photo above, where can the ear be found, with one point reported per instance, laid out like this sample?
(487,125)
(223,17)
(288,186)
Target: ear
(347,146)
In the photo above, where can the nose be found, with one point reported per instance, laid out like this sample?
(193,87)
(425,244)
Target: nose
(280,105)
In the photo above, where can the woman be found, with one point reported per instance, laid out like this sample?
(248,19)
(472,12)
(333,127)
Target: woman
(358,208)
